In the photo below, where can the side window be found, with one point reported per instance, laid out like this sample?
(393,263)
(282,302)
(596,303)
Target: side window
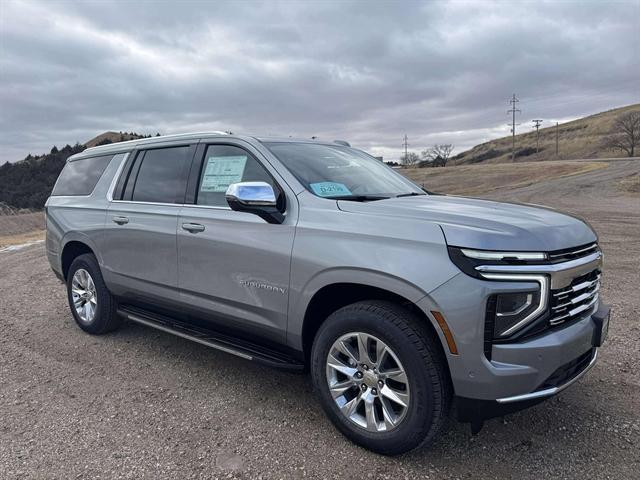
(80,177)
(161,177)
(224,165)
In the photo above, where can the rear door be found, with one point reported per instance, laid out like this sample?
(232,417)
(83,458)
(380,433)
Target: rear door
(140,246)
(233,267)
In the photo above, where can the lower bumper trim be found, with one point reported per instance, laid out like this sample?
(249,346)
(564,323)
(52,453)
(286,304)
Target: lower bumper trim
(553,390)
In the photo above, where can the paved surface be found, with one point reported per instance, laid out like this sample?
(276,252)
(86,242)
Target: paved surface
(143,404)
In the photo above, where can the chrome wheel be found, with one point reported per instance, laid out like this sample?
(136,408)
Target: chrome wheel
(83,293)
(367,382)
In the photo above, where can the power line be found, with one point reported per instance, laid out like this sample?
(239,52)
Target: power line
(537,123)
(513,111)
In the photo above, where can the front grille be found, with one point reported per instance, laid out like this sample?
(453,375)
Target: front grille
(572,253)
(566,305)
(567,371)
(576,300)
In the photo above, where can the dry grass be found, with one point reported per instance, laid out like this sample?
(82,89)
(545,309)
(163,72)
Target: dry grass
(21,228)
(631,185)
(21,223)
(480,179)
(21,238)
(582,138)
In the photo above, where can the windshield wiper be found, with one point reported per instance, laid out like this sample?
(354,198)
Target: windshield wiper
(360,198)
(412,194)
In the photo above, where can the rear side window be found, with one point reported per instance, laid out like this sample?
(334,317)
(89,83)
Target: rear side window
(80,177)
(161,177)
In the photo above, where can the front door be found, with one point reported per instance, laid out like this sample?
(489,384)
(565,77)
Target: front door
(233,267)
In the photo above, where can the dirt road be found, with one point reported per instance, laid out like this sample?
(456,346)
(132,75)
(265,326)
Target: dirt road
(143,404)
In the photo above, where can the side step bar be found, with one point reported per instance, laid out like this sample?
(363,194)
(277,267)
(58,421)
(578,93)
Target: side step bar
(212,339)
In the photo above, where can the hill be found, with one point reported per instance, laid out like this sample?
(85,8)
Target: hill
(478,180)
(582,138)
(114,137)
(26,184)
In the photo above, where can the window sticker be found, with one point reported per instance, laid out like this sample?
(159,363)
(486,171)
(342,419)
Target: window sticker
(221,172)
(329,189)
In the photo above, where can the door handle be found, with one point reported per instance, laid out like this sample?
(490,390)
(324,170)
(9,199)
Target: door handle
(120,220)
(193,227)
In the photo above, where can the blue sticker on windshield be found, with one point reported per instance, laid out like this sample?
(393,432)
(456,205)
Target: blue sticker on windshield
(329,189)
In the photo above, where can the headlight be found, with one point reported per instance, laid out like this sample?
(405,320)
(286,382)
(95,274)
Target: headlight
(504,256)
(511,311)
(468,259)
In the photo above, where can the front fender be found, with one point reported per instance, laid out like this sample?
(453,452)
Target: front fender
(349,275)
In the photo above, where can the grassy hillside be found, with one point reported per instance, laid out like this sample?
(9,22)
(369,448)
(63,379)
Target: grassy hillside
(581,138)
(480,179)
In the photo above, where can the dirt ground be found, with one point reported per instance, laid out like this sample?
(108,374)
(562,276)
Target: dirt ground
(144,404)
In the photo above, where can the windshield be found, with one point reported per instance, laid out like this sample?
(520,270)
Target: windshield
(341,172)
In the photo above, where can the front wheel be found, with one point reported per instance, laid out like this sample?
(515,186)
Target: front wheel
(380,377)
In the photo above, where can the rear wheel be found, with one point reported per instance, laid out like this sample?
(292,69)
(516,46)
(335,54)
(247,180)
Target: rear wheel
(92,305)
(380,377)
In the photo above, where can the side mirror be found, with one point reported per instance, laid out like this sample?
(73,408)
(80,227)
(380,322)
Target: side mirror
(254,197)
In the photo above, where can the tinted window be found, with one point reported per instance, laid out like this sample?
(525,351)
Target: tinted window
(80,177)
(161,175)
(336,171)
(224,165)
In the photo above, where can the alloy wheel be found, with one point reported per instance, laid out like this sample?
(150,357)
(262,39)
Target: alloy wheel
(84,296)
(367,382)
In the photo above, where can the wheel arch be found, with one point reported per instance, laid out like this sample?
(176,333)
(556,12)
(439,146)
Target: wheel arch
(334,296)
(74,247)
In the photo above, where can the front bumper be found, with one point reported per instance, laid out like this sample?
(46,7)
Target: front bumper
(475,411)
(517,374)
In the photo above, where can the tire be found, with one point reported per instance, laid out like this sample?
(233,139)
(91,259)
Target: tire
(99,315)
(425,387)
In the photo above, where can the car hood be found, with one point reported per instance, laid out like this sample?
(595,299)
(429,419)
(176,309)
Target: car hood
(483,224)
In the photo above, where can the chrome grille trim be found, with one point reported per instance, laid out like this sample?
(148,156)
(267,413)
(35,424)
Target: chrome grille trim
(571,253)
(577,288)
(562,274)
(576,300)
(574,312)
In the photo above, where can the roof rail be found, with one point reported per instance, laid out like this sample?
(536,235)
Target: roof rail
(146,139)
(190,134)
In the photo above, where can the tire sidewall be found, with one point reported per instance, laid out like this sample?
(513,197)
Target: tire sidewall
(90,264)
(420,413)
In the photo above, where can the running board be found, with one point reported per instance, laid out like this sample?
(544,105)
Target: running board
(212,339)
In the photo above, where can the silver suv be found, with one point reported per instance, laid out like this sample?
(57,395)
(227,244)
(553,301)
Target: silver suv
(309,255)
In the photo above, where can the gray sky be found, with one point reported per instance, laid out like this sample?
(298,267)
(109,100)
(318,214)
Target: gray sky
(365,72)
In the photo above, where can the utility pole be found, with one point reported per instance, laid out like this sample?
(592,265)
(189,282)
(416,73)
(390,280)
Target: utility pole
(513,111)
(556,139)
(537,123)
(405,144)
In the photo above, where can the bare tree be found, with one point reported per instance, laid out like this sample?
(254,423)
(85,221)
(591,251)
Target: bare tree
(625,134)
(410,159)
(438,155)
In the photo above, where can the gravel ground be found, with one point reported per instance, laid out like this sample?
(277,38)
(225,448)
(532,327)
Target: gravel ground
(143,404)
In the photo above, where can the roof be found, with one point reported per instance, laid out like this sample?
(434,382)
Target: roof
(119,147)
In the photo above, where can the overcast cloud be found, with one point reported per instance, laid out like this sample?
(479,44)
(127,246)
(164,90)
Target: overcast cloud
(366,72)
